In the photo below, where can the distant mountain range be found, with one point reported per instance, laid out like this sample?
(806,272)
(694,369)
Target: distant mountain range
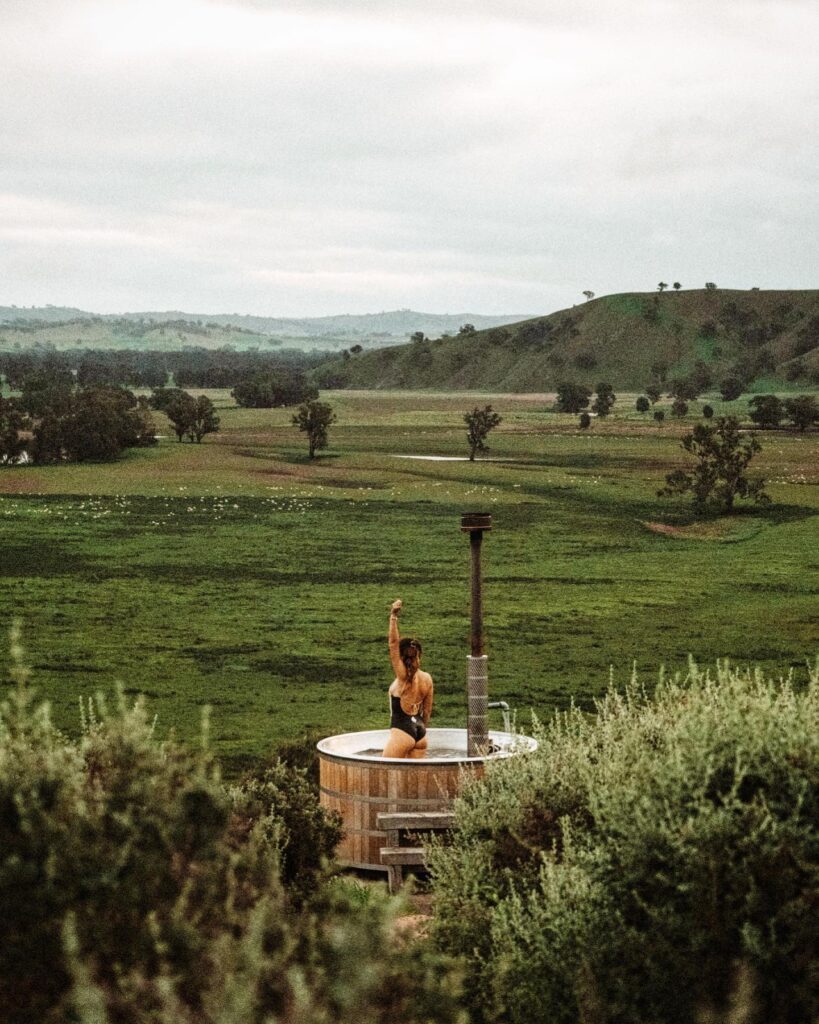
(369,329)
(767,337)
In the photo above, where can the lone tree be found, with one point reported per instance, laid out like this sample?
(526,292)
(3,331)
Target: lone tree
(205,420)
(676,286)
(589,294)
(585,421)
(314,419)
(661,287)
(604,400)
(719,475)
(766,411)
(181,411)
(479,422)
(642,404)
(802,411)
(572,397)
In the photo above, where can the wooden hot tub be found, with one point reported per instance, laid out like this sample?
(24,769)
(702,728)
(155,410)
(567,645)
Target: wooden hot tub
(359,783)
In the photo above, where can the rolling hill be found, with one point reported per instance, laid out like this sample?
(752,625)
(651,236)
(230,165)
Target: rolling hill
(65,327)
(630,339)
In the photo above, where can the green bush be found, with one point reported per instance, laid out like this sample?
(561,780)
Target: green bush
(135,888)
(647,864)
(306,836)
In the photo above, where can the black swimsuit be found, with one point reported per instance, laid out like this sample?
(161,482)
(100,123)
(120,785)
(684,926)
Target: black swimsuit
(413,725)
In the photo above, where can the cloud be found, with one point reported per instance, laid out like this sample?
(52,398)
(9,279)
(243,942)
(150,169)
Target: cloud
(276,154)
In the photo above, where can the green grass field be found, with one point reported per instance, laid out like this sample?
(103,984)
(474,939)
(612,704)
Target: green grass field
(239,575)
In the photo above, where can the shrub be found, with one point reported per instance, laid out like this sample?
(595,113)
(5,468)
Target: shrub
(708,412)
(134,887)
(638,865)
(679,407)
(306,836)
(585,421)
(642,404)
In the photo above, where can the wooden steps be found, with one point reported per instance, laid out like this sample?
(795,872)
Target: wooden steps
(396,825)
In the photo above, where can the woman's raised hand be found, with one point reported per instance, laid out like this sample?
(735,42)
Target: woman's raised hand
(396,607)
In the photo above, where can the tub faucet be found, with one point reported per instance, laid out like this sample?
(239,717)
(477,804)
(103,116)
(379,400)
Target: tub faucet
(504,707)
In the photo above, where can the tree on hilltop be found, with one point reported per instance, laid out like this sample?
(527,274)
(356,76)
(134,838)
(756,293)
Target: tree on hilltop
(661,287)
(467,329)
(314,419)
(479,422)
(676,286)
(589,295)
(719,474)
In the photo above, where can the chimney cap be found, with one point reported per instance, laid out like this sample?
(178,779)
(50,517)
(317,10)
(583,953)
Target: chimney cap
(476,521)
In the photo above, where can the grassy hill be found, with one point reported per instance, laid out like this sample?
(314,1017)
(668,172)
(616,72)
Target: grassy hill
(767,337)
(63,327)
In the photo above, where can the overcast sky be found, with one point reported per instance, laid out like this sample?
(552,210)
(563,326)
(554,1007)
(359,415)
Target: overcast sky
(330,156)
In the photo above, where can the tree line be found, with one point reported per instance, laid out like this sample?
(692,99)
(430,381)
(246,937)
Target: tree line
(766,411)
(70,424)
(192,367)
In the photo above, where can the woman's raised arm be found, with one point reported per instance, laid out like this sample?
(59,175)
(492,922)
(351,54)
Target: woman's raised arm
(394,643)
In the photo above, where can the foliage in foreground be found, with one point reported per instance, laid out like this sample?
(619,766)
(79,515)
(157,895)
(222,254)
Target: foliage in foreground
(646,865)
(135,887)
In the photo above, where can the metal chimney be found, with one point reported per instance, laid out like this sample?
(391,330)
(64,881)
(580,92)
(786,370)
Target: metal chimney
(477,675)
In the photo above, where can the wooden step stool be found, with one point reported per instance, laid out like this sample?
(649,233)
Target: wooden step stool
(396,825)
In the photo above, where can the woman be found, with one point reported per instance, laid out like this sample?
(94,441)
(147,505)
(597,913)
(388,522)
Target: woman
(410,695)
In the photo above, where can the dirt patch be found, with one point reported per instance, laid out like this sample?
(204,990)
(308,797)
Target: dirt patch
(726,529)
(665,529)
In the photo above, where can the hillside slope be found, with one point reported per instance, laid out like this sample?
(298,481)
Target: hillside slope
(627,339)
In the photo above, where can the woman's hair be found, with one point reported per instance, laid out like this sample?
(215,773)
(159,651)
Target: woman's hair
(405,646)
